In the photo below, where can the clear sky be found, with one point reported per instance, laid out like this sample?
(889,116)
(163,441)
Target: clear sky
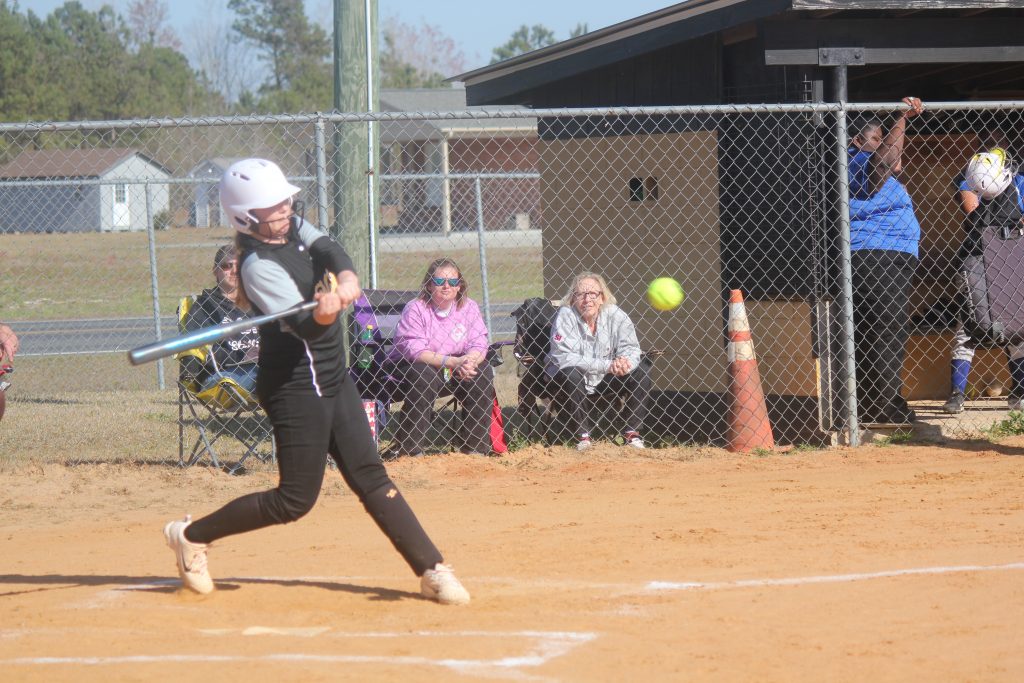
(476,26)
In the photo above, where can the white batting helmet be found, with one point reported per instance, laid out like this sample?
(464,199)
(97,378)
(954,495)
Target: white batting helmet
(252,184)
(988,173)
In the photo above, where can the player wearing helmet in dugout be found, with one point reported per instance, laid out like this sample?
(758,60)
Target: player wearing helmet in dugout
(991,193)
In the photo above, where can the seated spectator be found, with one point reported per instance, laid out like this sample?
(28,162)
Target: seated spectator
(594,350)
(236,357)
(441,342)
(8,343)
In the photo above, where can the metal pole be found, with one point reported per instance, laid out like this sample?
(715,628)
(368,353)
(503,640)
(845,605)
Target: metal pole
(339,177)
(446,188)
(371,184)
(321,174)
(153,284)
(483,256)
(846,271)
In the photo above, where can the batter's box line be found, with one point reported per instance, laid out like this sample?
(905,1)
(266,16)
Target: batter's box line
(834,578)
(548,645)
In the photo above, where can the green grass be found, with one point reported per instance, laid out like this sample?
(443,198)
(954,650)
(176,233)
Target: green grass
(894,439)
(513,274)
(1012,425)
(99,408)
(97,275)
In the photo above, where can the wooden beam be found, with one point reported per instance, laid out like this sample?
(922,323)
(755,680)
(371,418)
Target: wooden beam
(905,4)
(910,55)
(920,31)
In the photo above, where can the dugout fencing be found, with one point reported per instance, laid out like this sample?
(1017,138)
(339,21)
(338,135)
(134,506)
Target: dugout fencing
(105,225)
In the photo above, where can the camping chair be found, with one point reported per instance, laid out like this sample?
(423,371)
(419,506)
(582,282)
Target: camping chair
(379,311)
(224,410)
(538,396)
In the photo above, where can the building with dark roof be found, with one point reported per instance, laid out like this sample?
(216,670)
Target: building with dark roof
(743,201)
(444,147)
(81,190)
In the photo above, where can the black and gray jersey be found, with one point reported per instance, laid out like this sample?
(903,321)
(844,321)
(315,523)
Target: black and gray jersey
(296,353)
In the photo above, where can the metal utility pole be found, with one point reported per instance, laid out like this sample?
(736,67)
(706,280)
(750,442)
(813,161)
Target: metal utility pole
(355,145)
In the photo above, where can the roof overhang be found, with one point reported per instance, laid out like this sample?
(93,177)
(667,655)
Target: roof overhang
(501,82)
(647,33)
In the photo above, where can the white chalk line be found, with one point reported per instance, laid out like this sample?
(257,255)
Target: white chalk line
(623,587)
(834,578)
(547,645)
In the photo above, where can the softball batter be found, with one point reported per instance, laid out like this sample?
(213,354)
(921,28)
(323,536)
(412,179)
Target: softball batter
(303,386)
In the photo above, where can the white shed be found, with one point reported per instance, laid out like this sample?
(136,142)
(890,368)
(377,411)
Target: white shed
(81,190)
(206,175)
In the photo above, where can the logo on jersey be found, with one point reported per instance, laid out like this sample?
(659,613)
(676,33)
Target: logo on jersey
(328,283)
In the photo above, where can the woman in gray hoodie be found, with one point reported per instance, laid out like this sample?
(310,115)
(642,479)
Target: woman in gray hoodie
(594,351)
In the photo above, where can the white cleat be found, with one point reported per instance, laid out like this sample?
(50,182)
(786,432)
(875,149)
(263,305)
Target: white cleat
(441,584)
(191,557)
(633,440)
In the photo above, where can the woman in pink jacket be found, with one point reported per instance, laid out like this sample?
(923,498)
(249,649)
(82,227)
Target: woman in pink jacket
(441,341)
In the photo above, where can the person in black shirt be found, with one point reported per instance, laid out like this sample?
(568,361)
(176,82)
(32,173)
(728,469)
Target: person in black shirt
(304,386)
(234,357)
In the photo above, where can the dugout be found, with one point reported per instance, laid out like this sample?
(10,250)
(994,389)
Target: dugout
(720,188)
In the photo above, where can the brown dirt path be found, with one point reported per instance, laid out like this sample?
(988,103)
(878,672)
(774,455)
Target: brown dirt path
(560,551)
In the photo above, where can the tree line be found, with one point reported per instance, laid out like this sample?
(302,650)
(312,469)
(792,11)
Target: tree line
(247,56)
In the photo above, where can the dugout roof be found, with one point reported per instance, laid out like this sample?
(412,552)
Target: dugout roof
(719,51)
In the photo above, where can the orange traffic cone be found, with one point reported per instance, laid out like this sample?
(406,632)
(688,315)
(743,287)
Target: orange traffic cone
(748,416)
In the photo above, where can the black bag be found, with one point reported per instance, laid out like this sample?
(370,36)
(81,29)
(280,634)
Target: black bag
(992,283)
(533,329)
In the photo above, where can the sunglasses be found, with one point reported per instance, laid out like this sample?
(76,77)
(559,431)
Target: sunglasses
(587,295)
(452,281)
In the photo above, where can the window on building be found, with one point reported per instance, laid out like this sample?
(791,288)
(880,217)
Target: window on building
(636,190)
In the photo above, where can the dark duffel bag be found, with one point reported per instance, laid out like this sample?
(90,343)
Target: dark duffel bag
(993,288)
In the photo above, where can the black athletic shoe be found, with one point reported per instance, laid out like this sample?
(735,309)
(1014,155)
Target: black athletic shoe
(392,454)
(899,416)
(955,404)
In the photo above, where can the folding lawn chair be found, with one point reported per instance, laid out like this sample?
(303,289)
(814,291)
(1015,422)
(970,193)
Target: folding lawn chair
(225,409)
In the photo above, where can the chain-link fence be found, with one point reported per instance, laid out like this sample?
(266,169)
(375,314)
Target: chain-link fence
(106,226)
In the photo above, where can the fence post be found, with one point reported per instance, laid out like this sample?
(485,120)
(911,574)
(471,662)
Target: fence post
(153,282)
(846,268)
(320,142)
(483,255)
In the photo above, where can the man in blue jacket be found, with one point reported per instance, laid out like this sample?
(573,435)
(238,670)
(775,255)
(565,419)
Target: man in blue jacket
(884,236)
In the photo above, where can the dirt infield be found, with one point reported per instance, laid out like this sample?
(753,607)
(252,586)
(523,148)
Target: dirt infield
(883,564)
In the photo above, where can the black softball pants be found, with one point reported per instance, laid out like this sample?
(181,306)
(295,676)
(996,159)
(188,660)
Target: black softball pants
(307,428)
(423,383)
(635,386)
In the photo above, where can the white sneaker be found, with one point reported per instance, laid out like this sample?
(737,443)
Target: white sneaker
(1014,403)
(633,440)
(441,584)
(191,557)
(583,445)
